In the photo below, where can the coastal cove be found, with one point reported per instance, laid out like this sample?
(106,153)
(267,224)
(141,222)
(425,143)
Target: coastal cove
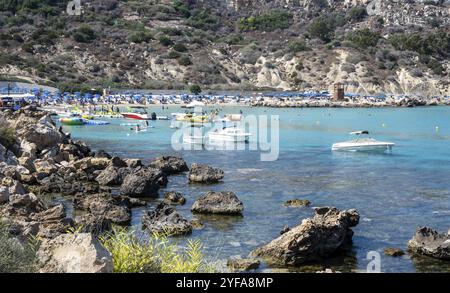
(394,192)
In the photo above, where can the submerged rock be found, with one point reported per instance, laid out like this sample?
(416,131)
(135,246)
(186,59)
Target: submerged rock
(224,202)
(74,253)
(297,203)
(205,174)
(143,183)
(197,224)
(240,264)
(429,242)
(174,197)
(315,238)
(165,219)
(392,251)
(170,165)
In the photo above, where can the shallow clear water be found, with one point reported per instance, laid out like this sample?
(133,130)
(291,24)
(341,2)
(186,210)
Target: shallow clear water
(394,192)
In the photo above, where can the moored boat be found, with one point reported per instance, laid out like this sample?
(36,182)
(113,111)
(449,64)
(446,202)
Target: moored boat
(363,143)
(229,134)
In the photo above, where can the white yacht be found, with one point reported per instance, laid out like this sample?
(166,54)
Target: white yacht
(362,142)
(229,134)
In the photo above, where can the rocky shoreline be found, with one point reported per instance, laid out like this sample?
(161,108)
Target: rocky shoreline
(350,103)
(38,159)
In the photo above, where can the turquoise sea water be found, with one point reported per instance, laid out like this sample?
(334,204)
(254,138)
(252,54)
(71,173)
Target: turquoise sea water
(394,192)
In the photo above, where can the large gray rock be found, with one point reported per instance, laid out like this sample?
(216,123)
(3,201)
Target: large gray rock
(327,233)
(143,183)
(223,202)
(7,156)
(205,174)
(117,209)
(170,164)
(165,219)
(43,136)
(4,194)
(74,253)
(112,176)
(429,242)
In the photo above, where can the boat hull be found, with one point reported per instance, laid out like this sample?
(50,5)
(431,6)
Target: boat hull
(136,116)
(379,147)
(228,138)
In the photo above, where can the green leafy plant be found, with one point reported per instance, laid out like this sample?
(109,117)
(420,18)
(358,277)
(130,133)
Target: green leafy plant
(17,257)
(7,135)
(266,22)
(363,38)
(155,255)
(195,89)
(140,37)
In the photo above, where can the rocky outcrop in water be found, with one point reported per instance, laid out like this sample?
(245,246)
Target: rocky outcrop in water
(170,165)
(429,242)
(327,233)
(116,209)
(74,253)
(297,203)
(200,173)
(143,182)
(165,219)
(224,202)
(240,264)
(174,197)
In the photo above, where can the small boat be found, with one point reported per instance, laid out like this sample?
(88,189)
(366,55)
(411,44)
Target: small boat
(162,118)
(194,104)
(362,142)
(193,118)
(229,134)
(95,122)
(136,112)
(72,121)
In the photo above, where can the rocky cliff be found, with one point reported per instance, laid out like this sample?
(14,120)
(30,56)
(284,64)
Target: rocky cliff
(371,46)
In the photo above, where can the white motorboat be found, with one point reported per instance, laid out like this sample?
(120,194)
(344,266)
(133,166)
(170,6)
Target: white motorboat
(136,112)
(362,142)
(194,104)
(229,134)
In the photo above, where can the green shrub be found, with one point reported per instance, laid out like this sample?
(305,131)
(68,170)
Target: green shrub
(84,34)
(437,44)
(7,135)
(16,257)
(179,47)
(173,55)
(184,60)
(297,46)
(195,89)
(181,8)
(140,37)
(165,41)
(266,22)
(320,28)
(357,13)
(155,255)
(363,38)
(203,20)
